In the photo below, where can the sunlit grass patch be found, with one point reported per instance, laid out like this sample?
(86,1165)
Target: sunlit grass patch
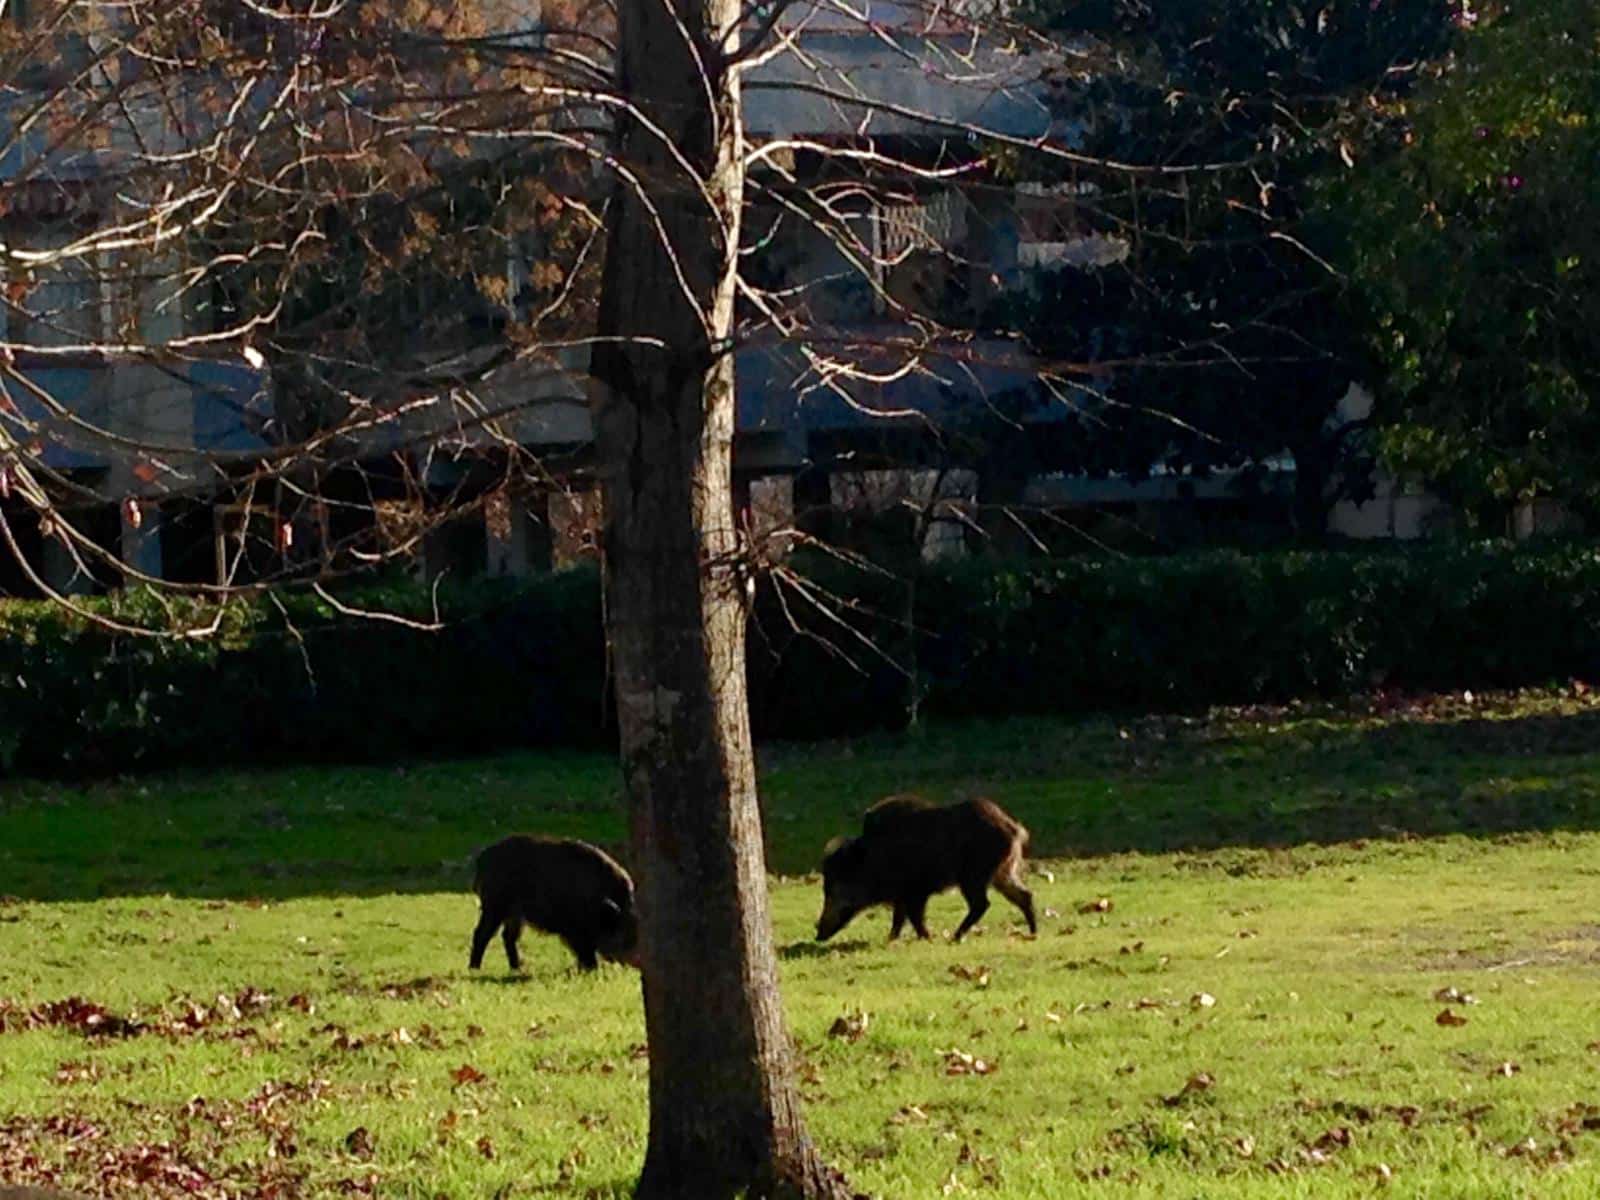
(1224,998)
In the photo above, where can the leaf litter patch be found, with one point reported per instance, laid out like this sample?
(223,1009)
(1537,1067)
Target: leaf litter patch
(222,1018)
(192,1151)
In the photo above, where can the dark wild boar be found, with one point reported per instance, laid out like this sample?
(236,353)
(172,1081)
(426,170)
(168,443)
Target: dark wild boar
(910,849)
(565,887)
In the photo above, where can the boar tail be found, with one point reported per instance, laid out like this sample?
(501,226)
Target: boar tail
(1004,821)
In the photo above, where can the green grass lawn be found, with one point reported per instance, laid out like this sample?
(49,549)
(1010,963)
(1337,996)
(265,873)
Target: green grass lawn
(1253,1010)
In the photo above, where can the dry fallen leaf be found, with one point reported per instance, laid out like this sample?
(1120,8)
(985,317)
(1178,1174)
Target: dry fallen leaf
(1334,1139)
(1580,1118)
(850,1026)
(1200,1081)
(1506,1069)
(959,1062)
(1449,1019)
(466,1073)
(1099,904)
(1453,995)
(77,1072)
(1202,1000)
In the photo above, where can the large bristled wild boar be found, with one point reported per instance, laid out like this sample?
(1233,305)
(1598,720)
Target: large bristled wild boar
(910,849)
(562,886)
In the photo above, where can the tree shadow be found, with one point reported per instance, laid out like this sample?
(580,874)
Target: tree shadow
(504,977)
(807,948)
(1471,776)
(1149,785)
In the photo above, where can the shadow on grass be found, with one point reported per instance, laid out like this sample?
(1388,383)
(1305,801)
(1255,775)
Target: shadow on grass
(526,978)
(1252,779)
(616,1189)
(488,978)
(810,949)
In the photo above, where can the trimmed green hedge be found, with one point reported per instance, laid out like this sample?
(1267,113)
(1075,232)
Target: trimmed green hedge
(524,664)
(1094,634)
(514,666)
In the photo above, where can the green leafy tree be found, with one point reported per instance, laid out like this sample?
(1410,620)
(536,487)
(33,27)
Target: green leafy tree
(1227,336)
(1477,247)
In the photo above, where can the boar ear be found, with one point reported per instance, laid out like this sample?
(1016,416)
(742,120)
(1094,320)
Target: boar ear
(834,844)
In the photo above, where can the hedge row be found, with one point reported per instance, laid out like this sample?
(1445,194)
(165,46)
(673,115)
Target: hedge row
(292,679)
(1087,634)
(524,664)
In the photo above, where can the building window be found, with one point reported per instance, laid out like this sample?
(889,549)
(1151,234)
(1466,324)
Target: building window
(57,303)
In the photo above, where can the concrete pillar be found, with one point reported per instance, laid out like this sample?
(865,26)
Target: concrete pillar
(812,493)
(1544,516)
(949,513)
(772,516)
(505,527)
(517,529)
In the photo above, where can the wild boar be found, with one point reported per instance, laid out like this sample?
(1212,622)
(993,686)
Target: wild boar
(910,849)
(562,886)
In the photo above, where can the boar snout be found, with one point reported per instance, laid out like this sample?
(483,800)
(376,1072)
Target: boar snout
(833,919)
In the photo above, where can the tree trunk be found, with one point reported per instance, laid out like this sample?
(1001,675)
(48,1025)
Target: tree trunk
(725,1116)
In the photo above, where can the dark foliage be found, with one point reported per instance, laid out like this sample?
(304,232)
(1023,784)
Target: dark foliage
(524,665)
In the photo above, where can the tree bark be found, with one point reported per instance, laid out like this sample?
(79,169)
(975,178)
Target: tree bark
(725,1116)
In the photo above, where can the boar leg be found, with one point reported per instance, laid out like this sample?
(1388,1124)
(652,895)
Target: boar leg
(977,897)
(488,921)
(899,920)
(917,911)
(509,936)
(585,952)
(1011,888)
